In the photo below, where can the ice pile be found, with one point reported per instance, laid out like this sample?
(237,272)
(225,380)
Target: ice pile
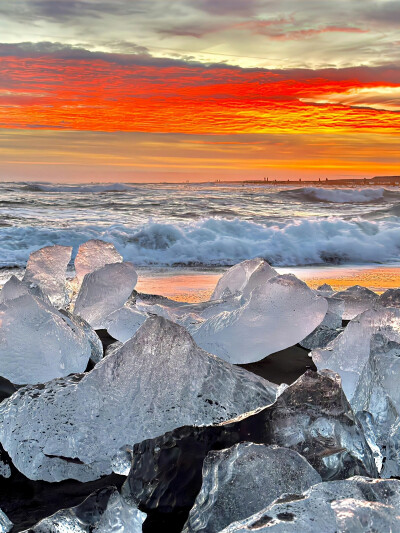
(355,505)
(104,511)
(239,481)
(155,382)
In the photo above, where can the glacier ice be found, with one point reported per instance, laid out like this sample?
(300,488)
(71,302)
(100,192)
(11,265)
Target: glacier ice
(5,524)
(92,255)
(157,381)
(96,347)
(47,268)
(14,287)
(355,505)
(38,343)
(350,351)
(123,323)
(243,479)
(312,417)
(104,511)
(278,313)
(237,277)
(390,298)
(356,300)
(104,291)
(329,328)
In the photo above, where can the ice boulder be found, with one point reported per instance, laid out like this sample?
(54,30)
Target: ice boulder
(329,328)
(104,291)
(244,479)
(124,323)
(278,314)
(104,511)
(356,505)
(157,381)
(356,300)
(92,255)
(38,343)
(14,288)
(311,417)
(236,278)
(350,351)
(47,268)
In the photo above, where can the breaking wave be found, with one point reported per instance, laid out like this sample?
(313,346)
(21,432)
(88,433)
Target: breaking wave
(218,241)
(341,196)
(107,187)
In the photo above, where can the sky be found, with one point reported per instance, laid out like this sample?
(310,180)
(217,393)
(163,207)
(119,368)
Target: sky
(198,90)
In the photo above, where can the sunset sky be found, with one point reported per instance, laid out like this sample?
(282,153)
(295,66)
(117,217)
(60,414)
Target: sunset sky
(176,90)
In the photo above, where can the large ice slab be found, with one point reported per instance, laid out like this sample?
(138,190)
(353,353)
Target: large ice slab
(243,479)
(92,255)
(157,381)
(47,268)
(278,313)
(350,351)
(38,343)
(235,279)
(312,417)
(356,505)
(104,511)
(104,291)
(356,300)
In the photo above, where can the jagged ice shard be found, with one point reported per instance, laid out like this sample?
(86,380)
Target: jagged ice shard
(13,288)
(355,505)
(157,381)
(350,351)
(277,314)
(5,524)
(92,255)
(104,291)
(124,323)
(104,511)
(243,479)
(47,268)
(38,343)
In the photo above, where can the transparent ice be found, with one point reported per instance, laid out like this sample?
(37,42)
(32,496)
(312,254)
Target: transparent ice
(104,291)
(124,323)
(5,524)
(356,300)
(157,381)
(242,480)
(14,287)
(92,255)
(329,328)
(47,268)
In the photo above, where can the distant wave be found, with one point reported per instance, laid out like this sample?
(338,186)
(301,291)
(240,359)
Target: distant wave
(108,187)
(218,241)
(340,196)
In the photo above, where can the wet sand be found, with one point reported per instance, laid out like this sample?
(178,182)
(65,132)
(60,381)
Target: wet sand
(196,285)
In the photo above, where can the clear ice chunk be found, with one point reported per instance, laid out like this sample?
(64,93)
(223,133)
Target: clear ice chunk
(236,278)
(390,298)
(159,380)
(5,524)
(47,268)
(356,300)
(329,328)
(355,505)
(92,255)
(104,511)
(242,480)
(14,288)
(278,313)
(104,291)
(38,343)
(350,351)
(124,323)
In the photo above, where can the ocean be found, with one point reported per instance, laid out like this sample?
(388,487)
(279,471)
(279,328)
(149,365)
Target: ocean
(205,228)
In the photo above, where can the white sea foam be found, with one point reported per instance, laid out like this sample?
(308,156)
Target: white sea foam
(218,241)
(342,196)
